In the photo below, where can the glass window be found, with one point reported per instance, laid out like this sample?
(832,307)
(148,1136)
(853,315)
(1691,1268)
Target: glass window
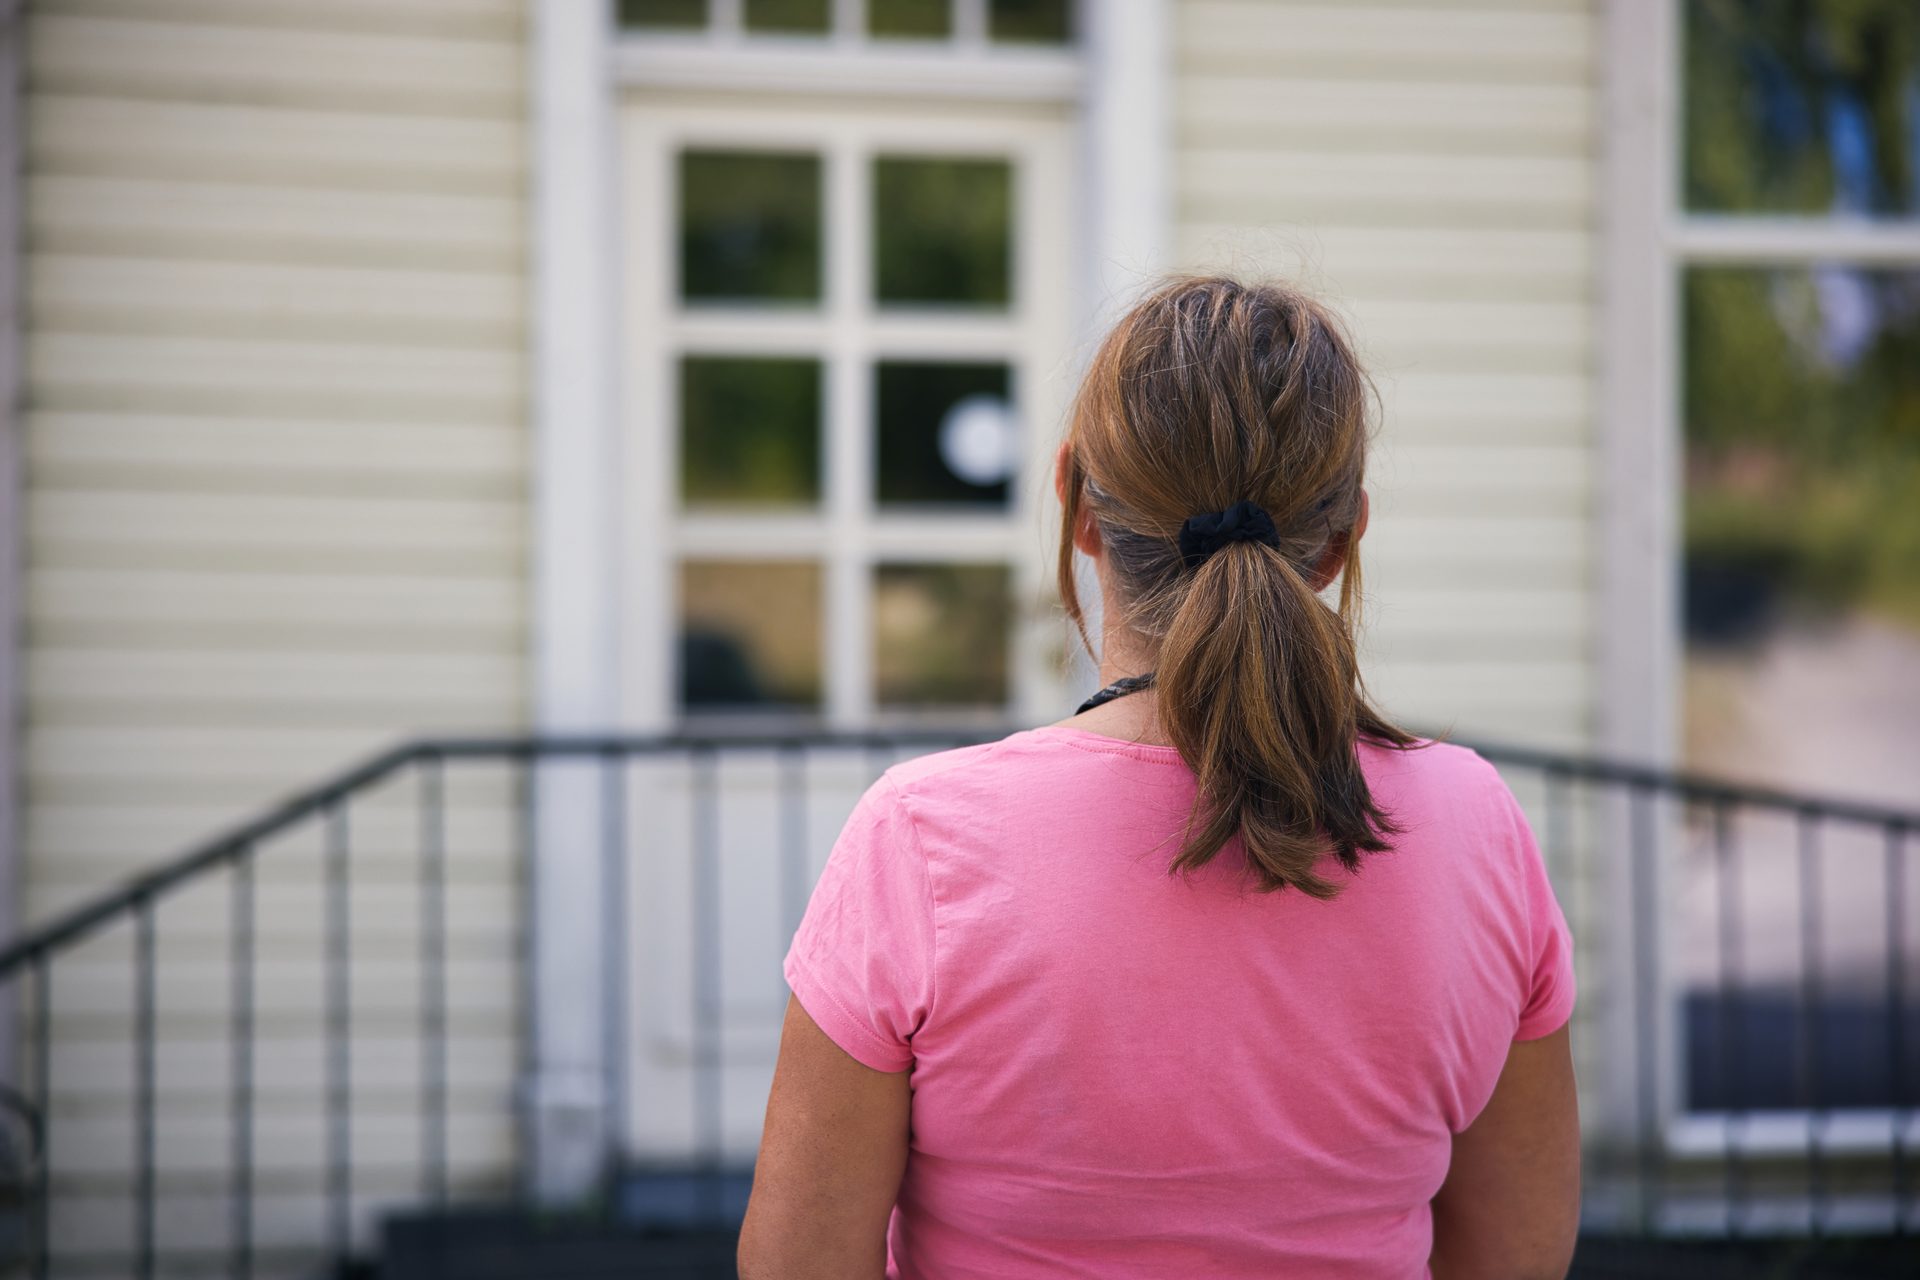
(943,230)
(1803,434)
(663,13)
(1803,108)
(1803,449)
(750,633)
(929,19)
(1048,21)
(749,226)
(940,634)
(1801,592)
(946,433)
(806,16)
(758,341)
(749,429)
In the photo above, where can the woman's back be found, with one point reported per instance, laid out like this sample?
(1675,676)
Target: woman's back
(1119,1072)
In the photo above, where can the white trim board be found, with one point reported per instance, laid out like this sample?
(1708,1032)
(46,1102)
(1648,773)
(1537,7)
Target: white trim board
(575,622)
(12,514)
(956,72)
(1637,522)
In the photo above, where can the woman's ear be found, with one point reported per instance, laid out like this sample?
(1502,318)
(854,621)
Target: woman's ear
(1086,534)
(1334,558)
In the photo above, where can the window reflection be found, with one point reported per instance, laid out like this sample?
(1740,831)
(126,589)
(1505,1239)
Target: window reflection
(809,16)
(941,634)
(946,434)
(749,429)
(1037,20)
(1802,586)
(749,226)
(922,18)
(1803,108)
(663,13)
(943,230)
(750,633)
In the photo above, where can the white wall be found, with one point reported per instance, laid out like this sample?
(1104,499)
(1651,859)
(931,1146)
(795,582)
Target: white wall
(1431,165)
(276,518)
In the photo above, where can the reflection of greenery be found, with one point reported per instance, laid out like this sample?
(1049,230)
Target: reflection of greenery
(750,631)
(750,429)
(663,13)
(1803,431)
(940,633)
(943,230)
(749,225)
(789,15)
(1792,103)
(907,17)
(1040,20)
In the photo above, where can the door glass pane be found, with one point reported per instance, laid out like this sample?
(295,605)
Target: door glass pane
(1802,613)
(1803,108)
(929,18)
(1041,20)
(811,16)
(947,434)
(750,633)
(943,230)
(749,226)
(941,634)
(663,13)
(749,430)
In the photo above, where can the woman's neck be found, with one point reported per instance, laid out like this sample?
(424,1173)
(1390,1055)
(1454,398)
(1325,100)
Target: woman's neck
(1132,716)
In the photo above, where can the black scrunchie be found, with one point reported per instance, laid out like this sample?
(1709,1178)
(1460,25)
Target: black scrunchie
(1245,520)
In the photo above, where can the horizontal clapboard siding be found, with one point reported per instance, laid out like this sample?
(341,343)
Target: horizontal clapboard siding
(1430,166)
(276,519)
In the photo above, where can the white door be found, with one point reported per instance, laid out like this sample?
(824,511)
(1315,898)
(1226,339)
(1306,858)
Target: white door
(846,362)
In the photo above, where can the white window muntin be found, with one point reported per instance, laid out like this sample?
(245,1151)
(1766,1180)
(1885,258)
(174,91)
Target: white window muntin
(849,333)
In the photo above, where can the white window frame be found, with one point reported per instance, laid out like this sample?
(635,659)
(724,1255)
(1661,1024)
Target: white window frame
(1649,239)
(848,533)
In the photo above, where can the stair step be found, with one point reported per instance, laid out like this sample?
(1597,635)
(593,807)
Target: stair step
(509,1243)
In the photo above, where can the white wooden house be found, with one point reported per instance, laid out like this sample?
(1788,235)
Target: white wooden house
(354,347)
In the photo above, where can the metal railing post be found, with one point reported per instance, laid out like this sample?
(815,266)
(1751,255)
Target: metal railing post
(433,978)
(1727,874)
(1897,850)
(242,956)
(617,955)
(1647,1041)
(43,1104)
(707,1056)
(339,1015)
(1806,1048)
(144,1067)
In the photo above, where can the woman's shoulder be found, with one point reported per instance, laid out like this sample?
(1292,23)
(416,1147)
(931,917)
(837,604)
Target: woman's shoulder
(928,767)
(1444,782)
(1432,760)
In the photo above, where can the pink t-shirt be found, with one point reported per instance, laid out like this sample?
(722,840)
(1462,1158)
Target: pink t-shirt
(1118,1073)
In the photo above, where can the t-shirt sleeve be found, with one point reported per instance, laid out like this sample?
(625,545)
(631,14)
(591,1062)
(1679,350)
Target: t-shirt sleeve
(1547,1001)
(861,962)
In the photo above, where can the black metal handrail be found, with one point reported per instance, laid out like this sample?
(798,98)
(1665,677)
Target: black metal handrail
(32,956)
(223,848)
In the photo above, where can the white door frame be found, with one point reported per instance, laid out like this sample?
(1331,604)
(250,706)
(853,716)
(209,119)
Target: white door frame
(578,64)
